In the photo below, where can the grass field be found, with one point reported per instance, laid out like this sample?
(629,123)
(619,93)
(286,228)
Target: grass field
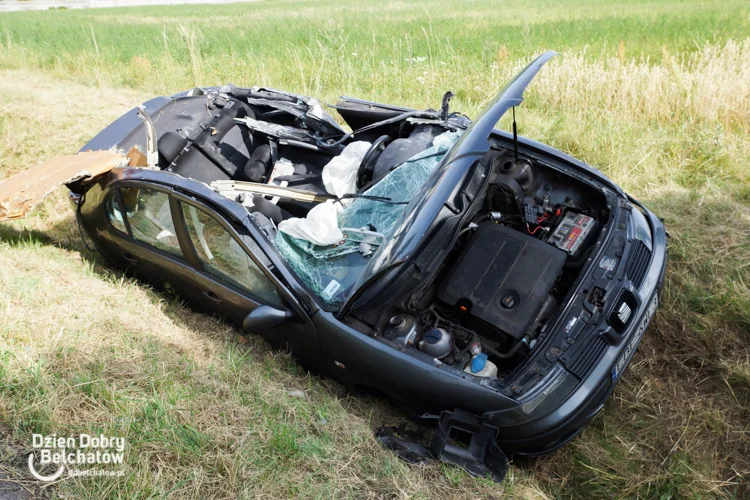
(655,94)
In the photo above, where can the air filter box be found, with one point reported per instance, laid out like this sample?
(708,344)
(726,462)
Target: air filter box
(502,277)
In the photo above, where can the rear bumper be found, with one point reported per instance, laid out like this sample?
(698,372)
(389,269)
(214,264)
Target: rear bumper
(558,427)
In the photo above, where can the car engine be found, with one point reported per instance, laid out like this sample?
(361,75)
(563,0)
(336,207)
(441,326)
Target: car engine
(502,278)
(510,269)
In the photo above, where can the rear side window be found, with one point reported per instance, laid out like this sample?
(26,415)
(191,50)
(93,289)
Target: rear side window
(112,212)
(150,218)
(224,258)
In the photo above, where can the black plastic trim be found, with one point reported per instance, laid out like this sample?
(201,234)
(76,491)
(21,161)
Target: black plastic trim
(640,257)
(589,356)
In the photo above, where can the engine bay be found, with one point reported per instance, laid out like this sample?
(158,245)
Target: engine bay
(510,270)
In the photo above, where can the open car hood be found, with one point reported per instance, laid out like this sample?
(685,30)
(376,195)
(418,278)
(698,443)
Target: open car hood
(448,177)
(476,137)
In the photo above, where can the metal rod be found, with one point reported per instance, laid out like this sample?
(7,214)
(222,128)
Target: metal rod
(515,135)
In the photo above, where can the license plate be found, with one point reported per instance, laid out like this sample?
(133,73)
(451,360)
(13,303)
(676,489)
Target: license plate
(633,344)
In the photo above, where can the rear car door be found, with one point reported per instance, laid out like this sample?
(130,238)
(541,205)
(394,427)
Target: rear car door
(141,228)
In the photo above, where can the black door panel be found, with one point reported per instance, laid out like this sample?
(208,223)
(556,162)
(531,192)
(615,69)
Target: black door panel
(130,258)
(156,267)
(220,298)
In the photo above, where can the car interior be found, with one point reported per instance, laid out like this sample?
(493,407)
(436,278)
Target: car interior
(266,137)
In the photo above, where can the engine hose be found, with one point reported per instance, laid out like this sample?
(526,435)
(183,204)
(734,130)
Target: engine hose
(507,355)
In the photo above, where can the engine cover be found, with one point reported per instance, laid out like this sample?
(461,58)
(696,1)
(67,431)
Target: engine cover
(502,277)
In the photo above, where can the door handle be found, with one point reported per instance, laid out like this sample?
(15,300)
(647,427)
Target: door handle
(212,297)
(129,257)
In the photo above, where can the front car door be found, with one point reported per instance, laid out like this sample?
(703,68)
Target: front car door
(231,282)
(233,276)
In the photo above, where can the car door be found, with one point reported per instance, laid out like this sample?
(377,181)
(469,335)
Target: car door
(231,282)
(232,278)
(142,237)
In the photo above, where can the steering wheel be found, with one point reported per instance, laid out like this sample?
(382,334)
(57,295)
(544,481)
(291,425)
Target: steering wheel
(367,167)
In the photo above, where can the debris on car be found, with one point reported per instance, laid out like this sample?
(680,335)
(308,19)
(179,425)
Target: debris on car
(20,193)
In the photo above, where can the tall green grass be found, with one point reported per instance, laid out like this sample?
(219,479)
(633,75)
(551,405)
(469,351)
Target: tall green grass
(374,50)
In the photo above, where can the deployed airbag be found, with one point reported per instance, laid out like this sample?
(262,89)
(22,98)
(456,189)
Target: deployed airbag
(340,174)
(320,227)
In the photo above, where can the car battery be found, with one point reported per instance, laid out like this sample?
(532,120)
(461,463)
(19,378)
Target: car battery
(572,232)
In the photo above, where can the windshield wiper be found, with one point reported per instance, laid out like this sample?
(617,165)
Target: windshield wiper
(381,199)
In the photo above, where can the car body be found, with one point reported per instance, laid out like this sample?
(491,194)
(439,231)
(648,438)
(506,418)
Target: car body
(421,316)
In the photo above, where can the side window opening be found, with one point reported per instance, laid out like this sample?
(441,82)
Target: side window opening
(150,218)
(223,257)
(112,212)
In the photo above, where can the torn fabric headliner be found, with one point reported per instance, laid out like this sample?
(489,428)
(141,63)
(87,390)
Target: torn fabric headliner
(22,192)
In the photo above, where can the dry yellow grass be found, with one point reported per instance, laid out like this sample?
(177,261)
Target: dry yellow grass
(711,84)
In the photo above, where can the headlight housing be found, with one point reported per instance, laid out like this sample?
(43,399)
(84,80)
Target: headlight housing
(545,397)
(639,228)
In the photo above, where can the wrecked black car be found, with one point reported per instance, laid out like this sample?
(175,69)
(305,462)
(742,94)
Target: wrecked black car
(486,284)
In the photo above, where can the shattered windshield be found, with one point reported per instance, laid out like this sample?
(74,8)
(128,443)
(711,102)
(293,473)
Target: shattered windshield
(332,271)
